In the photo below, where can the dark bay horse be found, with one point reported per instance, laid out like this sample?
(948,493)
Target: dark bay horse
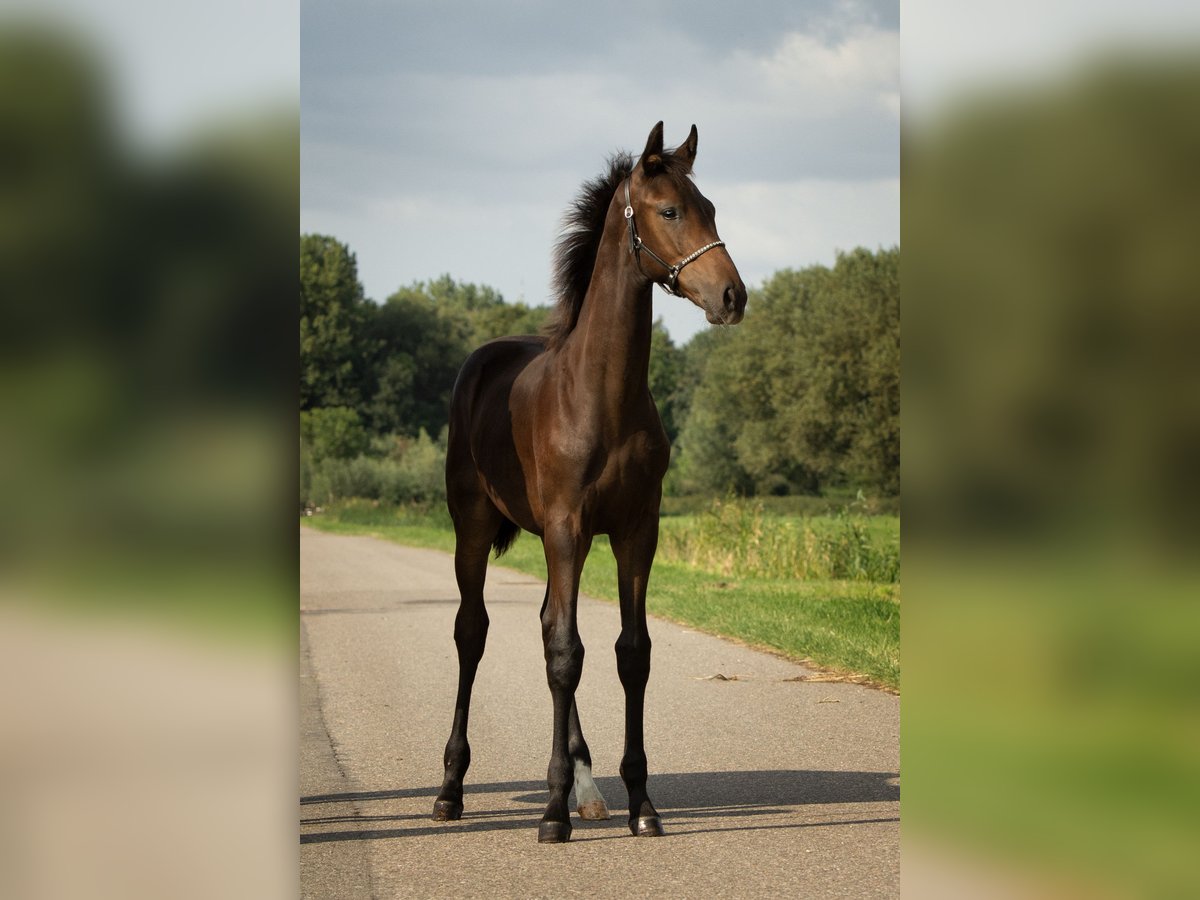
(558,435)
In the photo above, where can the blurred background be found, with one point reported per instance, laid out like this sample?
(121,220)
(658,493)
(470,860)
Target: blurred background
(148,206)
(1051,394)
(1051,402)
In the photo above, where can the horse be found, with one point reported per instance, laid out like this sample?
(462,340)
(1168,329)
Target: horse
(558,435)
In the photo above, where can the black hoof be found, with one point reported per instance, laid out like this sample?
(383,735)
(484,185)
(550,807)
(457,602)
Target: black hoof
(646,826)
(554,832)
(447,810)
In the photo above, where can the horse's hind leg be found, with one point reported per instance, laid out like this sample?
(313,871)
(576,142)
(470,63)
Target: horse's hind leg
(473,539)
(589,802)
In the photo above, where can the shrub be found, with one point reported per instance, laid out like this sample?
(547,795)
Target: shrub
(411,472)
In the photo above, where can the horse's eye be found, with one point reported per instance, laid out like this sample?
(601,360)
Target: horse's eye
(670,213)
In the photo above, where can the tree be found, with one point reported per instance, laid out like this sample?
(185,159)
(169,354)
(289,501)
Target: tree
(414,355)
(838,396)
(479,312)
(666,370)
(706,462)
(805,393)
(415,343)
(333,311)
(332,433)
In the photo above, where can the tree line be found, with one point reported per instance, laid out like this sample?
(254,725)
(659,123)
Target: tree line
(800,398)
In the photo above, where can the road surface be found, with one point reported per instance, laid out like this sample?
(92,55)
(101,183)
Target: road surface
(768,785)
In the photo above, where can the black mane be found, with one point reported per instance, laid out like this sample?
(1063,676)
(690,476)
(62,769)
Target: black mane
(582,229)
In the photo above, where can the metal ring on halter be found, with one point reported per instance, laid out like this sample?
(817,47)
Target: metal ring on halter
(636,246)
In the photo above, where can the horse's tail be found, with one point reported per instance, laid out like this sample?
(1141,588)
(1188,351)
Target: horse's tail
(505,536)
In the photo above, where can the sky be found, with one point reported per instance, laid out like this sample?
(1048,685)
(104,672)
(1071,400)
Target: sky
(451,137)
(957,52)
(174,67)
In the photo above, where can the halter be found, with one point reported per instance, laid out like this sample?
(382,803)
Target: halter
(636,246)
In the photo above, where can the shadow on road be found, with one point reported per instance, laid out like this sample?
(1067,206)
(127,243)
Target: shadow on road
(691,802)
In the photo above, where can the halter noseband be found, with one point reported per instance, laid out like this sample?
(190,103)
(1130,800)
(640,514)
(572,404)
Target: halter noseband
(636,246)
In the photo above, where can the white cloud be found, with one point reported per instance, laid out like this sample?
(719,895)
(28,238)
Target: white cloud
(772,225)
(865,63)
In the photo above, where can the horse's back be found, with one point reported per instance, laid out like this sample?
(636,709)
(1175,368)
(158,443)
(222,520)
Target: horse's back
(482,452)
(490,371)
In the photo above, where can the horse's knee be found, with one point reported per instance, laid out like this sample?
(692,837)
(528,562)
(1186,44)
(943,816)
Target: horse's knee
(633,659)
(470,632)
(564,661)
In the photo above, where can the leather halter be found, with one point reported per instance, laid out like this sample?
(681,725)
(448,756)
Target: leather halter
(636,246)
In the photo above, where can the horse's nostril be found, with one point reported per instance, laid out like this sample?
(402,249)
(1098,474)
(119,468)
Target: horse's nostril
(731,297)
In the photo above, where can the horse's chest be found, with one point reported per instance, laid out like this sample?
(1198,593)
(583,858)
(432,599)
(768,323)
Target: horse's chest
(597,461)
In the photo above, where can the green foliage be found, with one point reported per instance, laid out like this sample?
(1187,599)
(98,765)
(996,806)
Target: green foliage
(333,433)
(395,362)
(398,470)
(472,313)
(804,394)
(332,314)
(414,355)
(803,397)
(666,378)
(705,462)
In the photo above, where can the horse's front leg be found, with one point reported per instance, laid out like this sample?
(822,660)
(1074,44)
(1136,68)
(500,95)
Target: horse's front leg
(589,801)
(566,549)
(635,554)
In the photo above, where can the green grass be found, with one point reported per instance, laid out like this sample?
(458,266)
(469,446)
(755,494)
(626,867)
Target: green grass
(741,537)
(849,625)
(227,600)
(1054,719)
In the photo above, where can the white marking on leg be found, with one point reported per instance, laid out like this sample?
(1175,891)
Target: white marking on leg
(588,799)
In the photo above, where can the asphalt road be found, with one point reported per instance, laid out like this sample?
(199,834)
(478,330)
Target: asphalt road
(768,785)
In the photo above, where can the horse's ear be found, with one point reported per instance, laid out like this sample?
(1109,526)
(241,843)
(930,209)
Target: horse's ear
(652,156)
(687,152)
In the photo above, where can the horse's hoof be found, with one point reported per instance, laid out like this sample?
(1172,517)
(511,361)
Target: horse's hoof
(593,811)
(646,826)
(554,832)
(447,810)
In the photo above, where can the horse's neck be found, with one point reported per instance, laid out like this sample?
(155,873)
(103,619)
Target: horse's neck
(614,329)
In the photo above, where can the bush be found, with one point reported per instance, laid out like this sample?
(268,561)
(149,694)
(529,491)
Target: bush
(411,472)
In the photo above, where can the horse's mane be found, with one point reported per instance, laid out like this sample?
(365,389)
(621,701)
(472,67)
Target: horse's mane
(582,229)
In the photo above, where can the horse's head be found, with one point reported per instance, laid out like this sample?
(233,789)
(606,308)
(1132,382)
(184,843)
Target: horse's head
(672,228)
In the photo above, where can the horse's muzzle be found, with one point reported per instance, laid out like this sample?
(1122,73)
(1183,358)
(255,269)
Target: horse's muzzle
(731,307)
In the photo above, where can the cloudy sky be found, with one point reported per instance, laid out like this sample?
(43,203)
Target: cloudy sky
(449,137)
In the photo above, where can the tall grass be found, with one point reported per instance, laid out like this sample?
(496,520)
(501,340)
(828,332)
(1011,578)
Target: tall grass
(736,538)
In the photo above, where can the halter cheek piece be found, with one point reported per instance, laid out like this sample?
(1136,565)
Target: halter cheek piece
(636,246)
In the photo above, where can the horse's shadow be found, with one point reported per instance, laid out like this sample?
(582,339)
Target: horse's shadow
(690,802)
